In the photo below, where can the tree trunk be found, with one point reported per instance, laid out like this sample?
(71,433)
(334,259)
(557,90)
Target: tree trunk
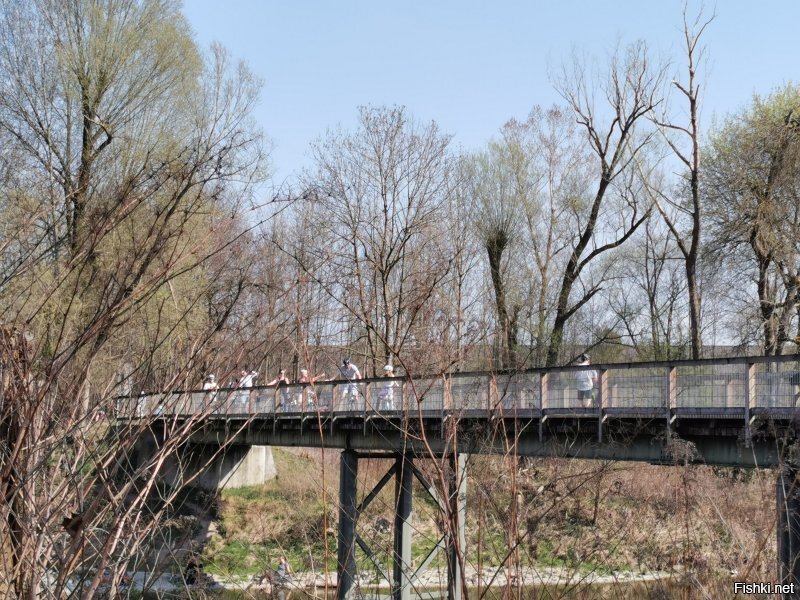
(694,309)
(495,246)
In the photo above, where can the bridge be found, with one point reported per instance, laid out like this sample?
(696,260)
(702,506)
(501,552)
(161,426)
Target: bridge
(731,412)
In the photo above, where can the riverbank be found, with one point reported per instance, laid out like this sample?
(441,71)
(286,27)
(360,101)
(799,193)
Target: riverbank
(431,579)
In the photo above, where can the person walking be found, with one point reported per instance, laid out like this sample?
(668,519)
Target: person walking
(349,372)
(210,387)
(282,381)
(311,396)
(283,572)
(246,379)
(585,381)
(386,400)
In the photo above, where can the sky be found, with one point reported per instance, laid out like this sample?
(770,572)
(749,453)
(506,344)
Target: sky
(471,66)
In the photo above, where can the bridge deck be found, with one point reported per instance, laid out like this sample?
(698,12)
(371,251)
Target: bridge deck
(732,411)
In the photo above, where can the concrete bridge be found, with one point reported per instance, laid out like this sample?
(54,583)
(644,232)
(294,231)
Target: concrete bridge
(730,412)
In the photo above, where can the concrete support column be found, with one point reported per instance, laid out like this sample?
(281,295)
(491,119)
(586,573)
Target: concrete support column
(348,512)
(788,501)
(401,584)
(458,508)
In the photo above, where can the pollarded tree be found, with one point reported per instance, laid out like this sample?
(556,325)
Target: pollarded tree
(501,182)
(753,190)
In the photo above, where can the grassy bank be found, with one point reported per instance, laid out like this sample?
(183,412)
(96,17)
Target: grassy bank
(581,517)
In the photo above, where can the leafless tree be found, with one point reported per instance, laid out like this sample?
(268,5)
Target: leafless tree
(648,299)
(135,157)
(380,197)
(616,209)
(684,141)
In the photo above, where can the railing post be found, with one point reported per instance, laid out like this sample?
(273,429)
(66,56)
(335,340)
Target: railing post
(490,405)
(544,401)
(749,399)
(543,393)
(672,394)
(602,403)
(730,393)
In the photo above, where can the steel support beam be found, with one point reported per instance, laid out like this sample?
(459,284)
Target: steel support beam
(401,584)
(348,513)
(456,540)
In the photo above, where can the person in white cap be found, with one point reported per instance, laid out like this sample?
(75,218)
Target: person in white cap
(211,387)
(386,390)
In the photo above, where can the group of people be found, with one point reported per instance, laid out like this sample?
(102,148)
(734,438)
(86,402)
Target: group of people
(385,389)
(347,371)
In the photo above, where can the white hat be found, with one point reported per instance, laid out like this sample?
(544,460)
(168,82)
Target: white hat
(304,371)
(388,368)
(210,376)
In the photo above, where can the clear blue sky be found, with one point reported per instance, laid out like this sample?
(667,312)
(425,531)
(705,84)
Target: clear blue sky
(471,65)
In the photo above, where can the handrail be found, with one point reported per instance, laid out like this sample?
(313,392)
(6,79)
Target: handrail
(783,358)
(737,388)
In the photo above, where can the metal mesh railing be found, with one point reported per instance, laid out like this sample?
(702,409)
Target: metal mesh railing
(469,393)
(427,394)
(636,387)
(718,386)
(518,392)
(777,385)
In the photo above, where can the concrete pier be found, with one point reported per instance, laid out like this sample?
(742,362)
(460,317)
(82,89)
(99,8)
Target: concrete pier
(208,466)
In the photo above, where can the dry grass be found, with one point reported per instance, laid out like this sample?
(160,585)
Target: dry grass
(700,523)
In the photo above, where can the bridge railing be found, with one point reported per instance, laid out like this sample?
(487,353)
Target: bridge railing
(722,385)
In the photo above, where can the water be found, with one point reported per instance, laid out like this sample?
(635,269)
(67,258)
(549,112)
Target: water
(637,590)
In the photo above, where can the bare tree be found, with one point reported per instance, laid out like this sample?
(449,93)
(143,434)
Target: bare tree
(380,199)
(688,240)
(649,298)
(146,230)
(631,91)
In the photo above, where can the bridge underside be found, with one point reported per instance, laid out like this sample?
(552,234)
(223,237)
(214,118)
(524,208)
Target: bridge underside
(749,439)
(725,440)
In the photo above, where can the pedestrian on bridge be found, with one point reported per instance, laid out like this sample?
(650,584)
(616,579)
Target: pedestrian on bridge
(349,372)
(305,377)
(211,387)
(282,381)
(311,396)
(245,383)
(386,400)
(585,381)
